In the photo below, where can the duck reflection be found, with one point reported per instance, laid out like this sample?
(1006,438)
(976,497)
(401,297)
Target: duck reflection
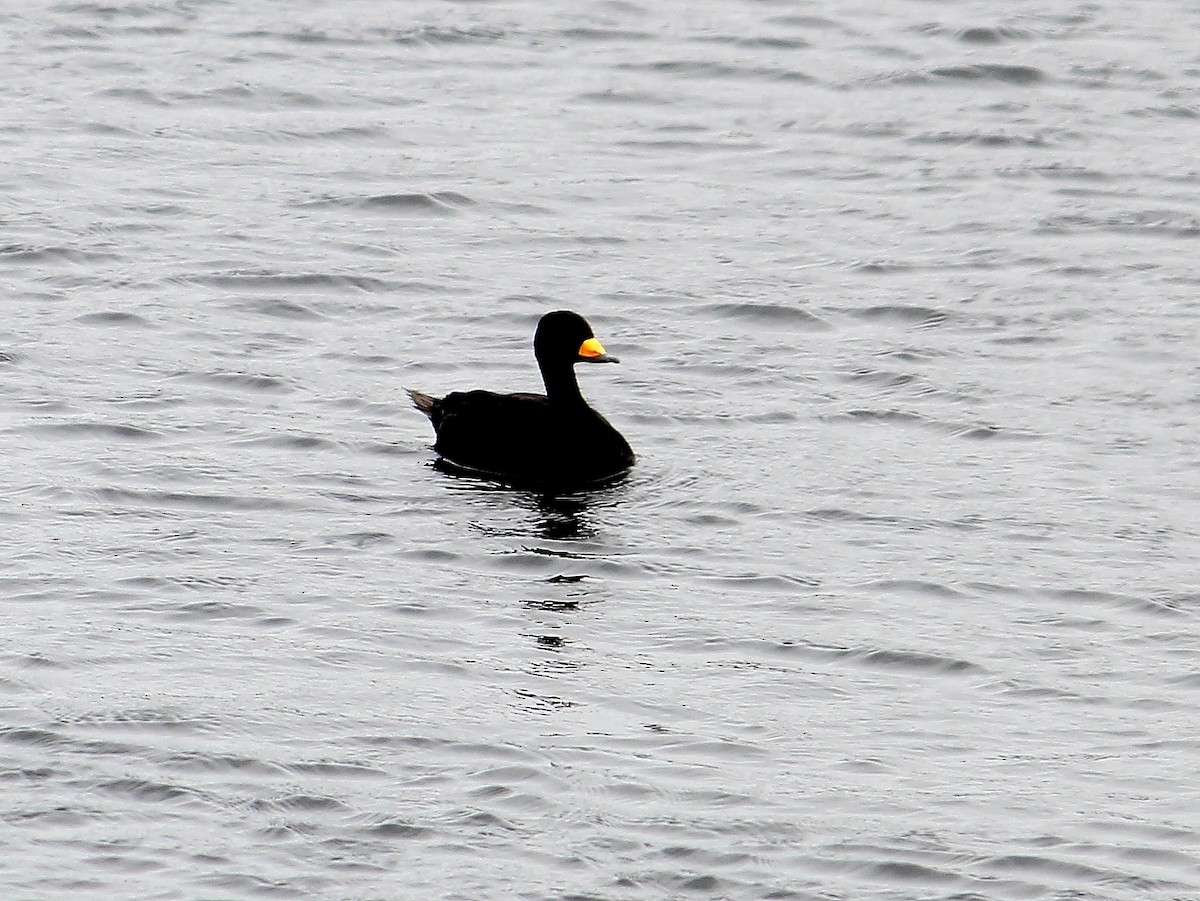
(562,518)
(554,516)
(555,542)
(567,517)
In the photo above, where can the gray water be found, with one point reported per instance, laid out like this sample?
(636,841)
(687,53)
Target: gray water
(901,601)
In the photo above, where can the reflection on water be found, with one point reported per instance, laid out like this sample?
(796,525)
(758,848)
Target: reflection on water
(566,517)
(562,519)
(553,516)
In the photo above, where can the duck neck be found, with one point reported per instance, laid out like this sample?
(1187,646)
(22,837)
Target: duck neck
(561,386)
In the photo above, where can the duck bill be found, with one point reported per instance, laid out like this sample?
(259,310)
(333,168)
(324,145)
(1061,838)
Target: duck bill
(592,351)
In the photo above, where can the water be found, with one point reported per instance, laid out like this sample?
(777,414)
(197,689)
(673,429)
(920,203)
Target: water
(901,600)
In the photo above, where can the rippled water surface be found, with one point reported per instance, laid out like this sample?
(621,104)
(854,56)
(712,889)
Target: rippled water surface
(902,600)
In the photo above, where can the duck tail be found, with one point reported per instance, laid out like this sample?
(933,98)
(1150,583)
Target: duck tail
(422,401)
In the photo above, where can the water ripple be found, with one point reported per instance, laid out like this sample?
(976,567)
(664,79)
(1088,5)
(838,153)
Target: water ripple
(899,601)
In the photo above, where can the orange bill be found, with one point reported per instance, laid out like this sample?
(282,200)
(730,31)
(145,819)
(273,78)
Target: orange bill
(592,351)
(591,348)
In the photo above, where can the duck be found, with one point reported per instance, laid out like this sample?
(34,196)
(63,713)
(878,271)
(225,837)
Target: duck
(552,440)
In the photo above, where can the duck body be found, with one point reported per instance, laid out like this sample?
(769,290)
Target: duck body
(551,440)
